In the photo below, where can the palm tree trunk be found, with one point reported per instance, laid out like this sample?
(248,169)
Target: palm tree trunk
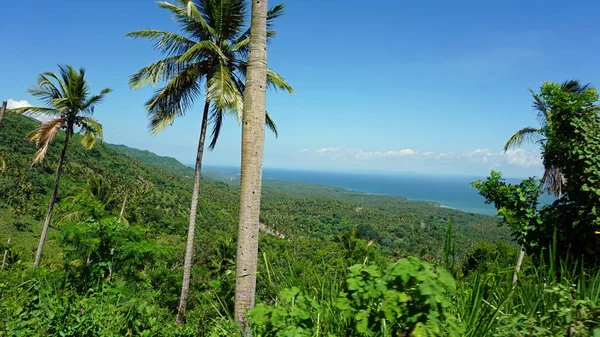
(61,160)
(189,249)
(518,266)
(123,208)
(253,141)
(2,111)
(5,254)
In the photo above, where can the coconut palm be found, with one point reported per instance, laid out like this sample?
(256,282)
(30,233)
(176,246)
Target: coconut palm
(253,144)
(69,105)
(553,179)
(210,55)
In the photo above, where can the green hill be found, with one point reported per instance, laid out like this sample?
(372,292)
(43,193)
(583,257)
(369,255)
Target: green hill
(145,156)
(311,235)
(158,190)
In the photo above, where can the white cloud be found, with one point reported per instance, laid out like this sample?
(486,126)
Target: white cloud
(327,149)
(523,158)
(303,150)
(483,157)
(12,104)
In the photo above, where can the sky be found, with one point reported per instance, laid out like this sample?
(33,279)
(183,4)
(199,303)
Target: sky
(422,86)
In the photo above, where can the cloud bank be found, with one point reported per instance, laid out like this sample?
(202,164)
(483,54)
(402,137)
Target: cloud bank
(487,158)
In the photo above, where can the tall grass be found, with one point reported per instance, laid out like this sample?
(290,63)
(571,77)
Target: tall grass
(553,297)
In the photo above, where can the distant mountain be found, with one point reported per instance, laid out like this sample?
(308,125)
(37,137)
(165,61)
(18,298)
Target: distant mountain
(168,163)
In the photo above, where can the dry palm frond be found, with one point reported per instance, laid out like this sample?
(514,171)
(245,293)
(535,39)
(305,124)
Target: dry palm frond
(43,135)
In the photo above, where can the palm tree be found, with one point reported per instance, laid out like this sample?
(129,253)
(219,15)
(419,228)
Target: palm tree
(211,54)
(68,102)
(253,143)
(348,240)
(553,179)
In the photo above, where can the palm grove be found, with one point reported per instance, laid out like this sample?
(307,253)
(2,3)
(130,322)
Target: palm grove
(339,278)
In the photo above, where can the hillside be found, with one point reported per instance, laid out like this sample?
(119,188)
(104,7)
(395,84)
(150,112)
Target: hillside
(168,163)
(159,194)
(313,234)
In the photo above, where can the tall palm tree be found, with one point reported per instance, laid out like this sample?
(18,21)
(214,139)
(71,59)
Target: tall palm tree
(210,53)
(553,179)
(253,143)
(68,102)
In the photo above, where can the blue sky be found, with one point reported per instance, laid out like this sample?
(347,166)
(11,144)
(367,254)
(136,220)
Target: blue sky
(423,86)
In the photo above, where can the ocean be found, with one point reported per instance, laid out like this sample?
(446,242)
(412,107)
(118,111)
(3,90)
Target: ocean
(448,191)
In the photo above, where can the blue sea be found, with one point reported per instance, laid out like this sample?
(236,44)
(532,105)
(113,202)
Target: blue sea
(448,191)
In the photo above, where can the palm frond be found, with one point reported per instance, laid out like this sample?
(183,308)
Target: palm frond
(166,42)
(270,124)
(162,70)
(553,180)
(275,12)
(276,81)
(91,131)
(216,118)
(44,81)
(228,17)
(88,104)
(43,135)
(199,29)
(222,89)
(573,86)
(46,90)
(540,106)
(72,217)
(35,111)
(194,14)
(76,87)
(201,51)
(175,98)
(528,134)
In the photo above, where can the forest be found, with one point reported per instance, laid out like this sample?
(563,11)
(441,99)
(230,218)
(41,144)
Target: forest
(99,239)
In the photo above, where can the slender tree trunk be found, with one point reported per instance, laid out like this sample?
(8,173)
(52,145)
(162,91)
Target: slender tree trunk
(5,254)
(2,111)
(61,160)
(518,266)
(123,208)
(253,141)
(189,249)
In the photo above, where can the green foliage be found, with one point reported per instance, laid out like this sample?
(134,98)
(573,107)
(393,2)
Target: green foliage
(107,248)
(487,255)
(572,146)
(516,205)
(407,297)
(291,317)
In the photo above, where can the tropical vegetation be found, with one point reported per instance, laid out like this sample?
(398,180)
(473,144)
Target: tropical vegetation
(278,258)
(209,54)
(69,107)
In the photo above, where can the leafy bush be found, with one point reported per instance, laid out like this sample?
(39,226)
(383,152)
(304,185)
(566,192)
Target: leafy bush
(407,297)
